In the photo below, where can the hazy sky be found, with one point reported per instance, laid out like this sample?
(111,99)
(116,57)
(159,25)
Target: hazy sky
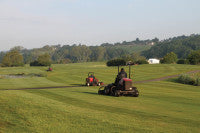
(35,23)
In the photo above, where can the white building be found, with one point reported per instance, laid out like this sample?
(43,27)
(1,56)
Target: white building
(154,61)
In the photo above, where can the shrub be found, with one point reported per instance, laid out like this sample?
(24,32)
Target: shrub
(182,78)
(35,63)
(183,61)
(198,81)
(169,58)
(186,79)
(43,60)
(116,62)
(142,62)
(190,80)
(194,57)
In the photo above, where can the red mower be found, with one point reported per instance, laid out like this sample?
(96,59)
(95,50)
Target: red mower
(91,80)
(49,69)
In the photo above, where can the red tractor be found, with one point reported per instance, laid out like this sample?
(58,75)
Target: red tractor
(123,88)
(91,80)
(49,69)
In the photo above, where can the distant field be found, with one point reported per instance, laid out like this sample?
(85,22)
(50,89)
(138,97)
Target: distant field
(162,106)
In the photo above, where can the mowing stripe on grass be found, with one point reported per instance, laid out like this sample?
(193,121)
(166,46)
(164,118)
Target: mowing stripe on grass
(111,109)
(40,88)
(137,82)
(166,77)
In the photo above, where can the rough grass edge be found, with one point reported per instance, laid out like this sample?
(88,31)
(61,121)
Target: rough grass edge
(187,79)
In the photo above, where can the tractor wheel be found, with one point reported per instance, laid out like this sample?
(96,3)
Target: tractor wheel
(100,92)
(106,90)
(88,84)
(116,93)
(136,94)
(99,84)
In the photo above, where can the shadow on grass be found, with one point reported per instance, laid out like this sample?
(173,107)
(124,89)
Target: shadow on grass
(6,124)
(174,80)
(93,93)
(78,84)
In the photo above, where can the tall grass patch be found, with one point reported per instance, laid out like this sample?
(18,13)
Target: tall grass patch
(189,79)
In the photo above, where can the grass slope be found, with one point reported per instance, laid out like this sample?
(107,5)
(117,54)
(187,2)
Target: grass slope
(162,106)
(75,74)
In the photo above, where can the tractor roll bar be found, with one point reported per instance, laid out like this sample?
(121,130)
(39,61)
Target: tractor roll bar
(129,69)
(91,73)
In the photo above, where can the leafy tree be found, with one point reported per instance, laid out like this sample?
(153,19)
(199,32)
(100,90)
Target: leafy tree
(127,58)
(137,40)
(60,55)
(28,57)
(80,53)
(135,58)
(106,44)
(194,57)
(44,60)
(97,53)
(155,40)
(182,46)
(116,62)
(170,58)
(114,52)
(17,48)
(12,59)
(65,61)
(2,54)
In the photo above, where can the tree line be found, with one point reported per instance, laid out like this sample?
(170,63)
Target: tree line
(170,58)
(182,46)
(71,54)
(82,53)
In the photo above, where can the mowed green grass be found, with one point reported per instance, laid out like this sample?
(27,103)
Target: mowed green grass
(162,106)
(75,74)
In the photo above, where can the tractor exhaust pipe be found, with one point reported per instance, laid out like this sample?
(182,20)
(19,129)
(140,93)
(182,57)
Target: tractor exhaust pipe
(129,63)
(118,69)
(129,71)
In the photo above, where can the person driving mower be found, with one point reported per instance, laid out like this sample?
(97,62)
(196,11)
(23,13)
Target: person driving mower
(122,74)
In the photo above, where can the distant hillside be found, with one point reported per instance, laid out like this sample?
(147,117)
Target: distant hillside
(181,45)
(135,48)
(83,53)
